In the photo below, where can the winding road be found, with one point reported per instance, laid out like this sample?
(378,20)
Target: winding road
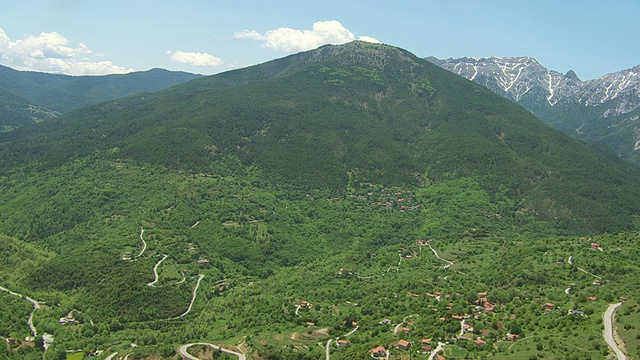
(449,263)
(326,348)
(437,350)
(588,273)
(608,331)
(36,306)
(186,355)
(397,328)
(155,271)
(193,299)
(144,243)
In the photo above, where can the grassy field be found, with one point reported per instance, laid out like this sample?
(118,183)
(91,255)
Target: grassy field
(75,356)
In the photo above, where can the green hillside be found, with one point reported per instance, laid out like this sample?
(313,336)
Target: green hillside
(372,111)
(64,93)
(16,111)
(267,209)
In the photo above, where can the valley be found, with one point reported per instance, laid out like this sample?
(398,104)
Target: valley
(348,202)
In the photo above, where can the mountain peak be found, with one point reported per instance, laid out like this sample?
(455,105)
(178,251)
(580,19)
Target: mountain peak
(363,53)
(571,75)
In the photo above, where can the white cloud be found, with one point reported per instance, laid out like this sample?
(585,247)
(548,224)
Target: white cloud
(369,39)
(50,52)
(194,58)
(287,39)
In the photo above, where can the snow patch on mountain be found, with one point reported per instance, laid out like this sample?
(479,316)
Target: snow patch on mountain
(525,80)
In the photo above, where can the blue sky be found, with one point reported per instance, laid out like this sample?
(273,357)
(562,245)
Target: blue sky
(209,36)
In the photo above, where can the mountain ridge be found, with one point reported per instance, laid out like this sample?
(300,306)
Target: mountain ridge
(374,110)
(55,93)
(593,110)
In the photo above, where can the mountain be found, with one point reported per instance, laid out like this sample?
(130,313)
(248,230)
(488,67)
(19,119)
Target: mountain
(63,93)
(375,112)
(604,110)
(17,111)
(270,209)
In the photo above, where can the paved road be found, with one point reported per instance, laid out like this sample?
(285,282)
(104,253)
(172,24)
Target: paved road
(608,331)
(144,243)
(155,271)
(36,306)
(186,355)
(344,336)
(437,350)
(449,263)
(326,348)
(193,298)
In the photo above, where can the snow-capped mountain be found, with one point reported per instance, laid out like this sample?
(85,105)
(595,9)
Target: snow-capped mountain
(604,110)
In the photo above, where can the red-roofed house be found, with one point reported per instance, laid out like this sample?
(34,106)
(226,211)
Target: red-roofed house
(480,342)
(343,343)
(403,345)
(379,352)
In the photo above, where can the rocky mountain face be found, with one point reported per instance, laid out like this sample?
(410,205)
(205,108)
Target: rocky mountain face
(604,110)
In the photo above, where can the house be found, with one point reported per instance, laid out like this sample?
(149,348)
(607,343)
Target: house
(403,345)
(310,324)
(343,343)
(379,352)
(576,313)
(405,330)
(512,337)
(426,348)
(68,320)
(480,342)
(548,305)
(592,298)
(47,339)
(482,294)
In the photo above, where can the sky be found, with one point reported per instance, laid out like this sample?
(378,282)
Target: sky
(96,37)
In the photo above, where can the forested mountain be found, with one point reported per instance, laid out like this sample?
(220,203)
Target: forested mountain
(603,110)
(376,112)
(62,93)
(277,207)
(16,111)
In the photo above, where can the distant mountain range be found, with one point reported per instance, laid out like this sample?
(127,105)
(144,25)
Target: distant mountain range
(604,110)
(27,97)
